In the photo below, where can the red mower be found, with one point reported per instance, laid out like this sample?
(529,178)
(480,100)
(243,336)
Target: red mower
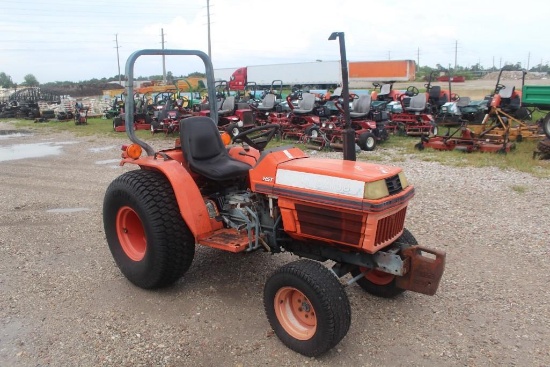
(368,132)
(301,116)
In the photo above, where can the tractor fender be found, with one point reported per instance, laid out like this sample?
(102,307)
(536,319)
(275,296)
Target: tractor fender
(190,201)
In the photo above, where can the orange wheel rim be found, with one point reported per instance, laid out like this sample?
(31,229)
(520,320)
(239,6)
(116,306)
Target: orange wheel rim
(131,234)
(295,313)
(377,277)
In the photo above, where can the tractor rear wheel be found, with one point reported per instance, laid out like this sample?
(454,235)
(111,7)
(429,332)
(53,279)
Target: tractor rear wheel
(307,307)
(367,141)
(379,283)
(149,241)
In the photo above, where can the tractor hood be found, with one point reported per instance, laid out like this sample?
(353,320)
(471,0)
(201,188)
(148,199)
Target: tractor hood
(288,173)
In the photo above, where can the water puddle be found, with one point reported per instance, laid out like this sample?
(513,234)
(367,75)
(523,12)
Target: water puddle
(67,210)
(107,161)
(6,134)
(102,149)
(35,150)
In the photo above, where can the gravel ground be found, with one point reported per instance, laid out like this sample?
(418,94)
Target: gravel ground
(63,302)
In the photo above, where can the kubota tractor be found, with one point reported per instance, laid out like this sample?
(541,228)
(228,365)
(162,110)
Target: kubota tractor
(242,198)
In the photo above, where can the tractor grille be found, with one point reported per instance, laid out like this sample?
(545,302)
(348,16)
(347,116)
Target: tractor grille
(394,184)
(389,227)
(330,224)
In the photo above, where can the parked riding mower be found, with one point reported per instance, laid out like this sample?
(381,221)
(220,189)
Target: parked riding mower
(302,116)
(80,114)
(416,118)
(498,133)
(141,117)
(243,198)
(508,99)
(368,132)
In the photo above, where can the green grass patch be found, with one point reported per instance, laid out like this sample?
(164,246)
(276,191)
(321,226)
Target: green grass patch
(396,149)
(519,189)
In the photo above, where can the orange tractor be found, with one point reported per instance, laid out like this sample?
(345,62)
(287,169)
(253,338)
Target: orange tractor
(243,198)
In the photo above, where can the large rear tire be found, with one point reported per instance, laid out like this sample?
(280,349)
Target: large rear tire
(149,241)
(307,307)
(379,283)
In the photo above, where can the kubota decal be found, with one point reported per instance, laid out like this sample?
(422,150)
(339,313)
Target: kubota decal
(321,183)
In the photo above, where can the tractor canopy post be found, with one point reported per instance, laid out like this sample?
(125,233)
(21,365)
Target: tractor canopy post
(129,106)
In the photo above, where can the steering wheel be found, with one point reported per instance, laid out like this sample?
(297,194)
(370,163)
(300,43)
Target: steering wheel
(412,91)
(499,87)
(258,137)
(455,97)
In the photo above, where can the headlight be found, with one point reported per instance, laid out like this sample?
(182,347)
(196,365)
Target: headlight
(403,179)
(376,190)
(324,124)
(331,126)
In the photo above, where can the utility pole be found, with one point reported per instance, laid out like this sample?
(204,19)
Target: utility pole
(418,57)
(456,52)
(118,59)
(528,59)
(208,17)
(500,64)
(493,62)
(163,57)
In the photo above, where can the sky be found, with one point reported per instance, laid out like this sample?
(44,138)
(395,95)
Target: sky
(75,40)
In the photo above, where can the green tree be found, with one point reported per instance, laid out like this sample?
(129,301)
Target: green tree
(30,81)
(169,77)
(5,81)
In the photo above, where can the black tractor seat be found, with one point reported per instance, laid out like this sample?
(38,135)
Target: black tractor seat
(205,152)
(360,107)
(227,107)
(305,105)
(268,103)
(417,103)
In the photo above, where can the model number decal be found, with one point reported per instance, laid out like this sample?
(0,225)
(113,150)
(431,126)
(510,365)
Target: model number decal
(267,179)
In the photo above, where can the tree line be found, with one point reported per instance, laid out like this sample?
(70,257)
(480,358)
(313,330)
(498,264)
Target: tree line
(30,80)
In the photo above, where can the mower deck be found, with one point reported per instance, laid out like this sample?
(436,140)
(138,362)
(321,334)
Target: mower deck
(465,145)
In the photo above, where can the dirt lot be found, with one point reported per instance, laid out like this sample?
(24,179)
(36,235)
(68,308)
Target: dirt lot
(63,301)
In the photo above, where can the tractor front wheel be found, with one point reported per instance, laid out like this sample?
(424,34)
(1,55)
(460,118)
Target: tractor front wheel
(379,283)
(307,307)
(149,241)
